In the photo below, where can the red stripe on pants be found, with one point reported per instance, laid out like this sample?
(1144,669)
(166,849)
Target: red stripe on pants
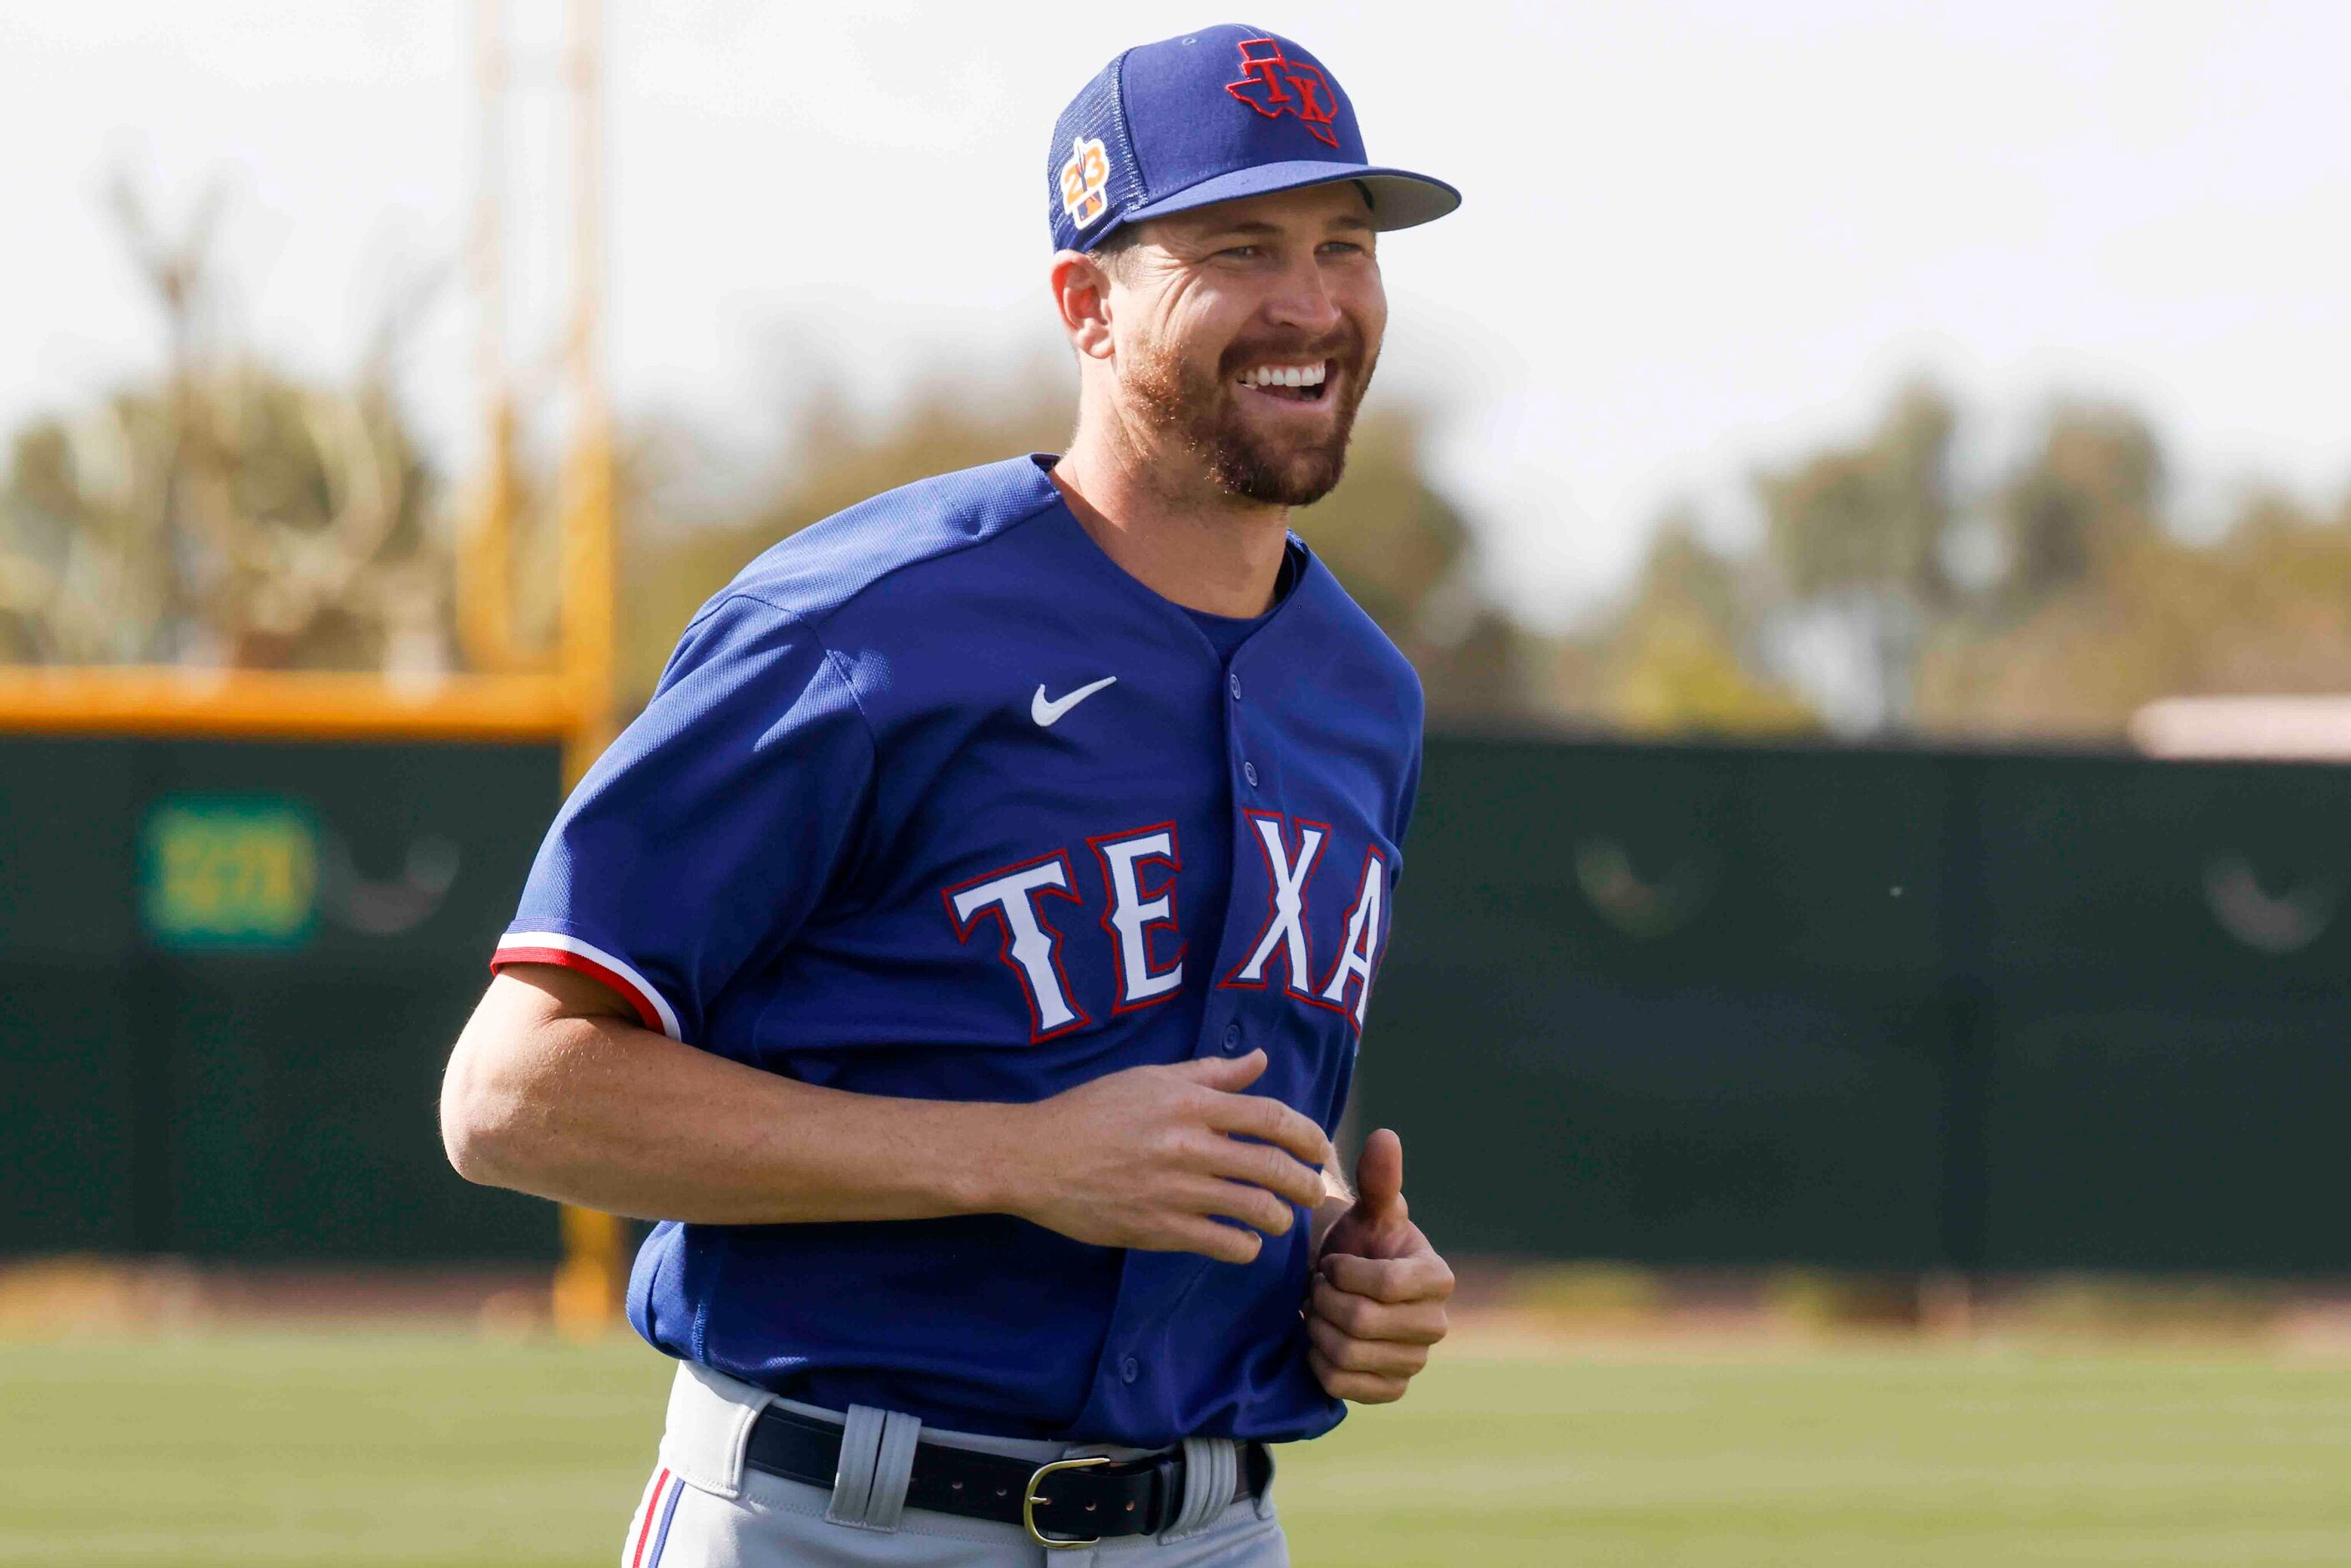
(645,1531)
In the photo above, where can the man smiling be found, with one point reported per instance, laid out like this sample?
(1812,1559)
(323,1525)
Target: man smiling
(964,958)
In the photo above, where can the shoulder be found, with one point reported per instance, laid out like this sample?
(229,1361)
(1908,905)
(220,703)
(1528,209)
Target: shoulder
(1361,658)
(815,572)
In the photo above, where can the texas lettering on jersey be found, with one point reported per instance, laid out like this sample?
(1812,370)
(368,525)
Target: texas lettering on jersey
(1146,940)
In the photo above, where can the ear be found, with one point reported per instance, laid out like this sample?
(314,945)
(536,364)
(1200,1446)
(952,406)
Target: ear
(1081,294)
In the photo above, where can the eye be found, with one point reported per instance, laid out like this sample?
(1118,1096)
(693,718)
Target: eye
(1344,247)
(1243,252)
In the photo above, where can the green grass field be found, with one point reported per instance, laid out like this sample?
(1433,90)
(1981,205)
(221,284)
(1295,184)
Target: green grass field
(446,1450)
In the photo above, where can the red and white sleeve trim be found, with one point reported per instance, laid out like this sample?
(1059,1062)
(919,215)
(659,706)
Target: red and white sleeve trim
(554,947)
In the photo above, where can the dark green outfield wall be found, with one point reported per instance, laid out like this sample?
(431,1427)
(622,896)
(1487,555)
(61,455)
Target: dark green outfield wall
(1877,1009)
(1716,1005)
(229,974)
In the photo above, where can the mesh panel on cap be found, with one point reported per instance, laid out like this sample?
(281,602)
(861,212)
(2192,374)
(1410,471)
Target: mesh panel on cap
(1098,111)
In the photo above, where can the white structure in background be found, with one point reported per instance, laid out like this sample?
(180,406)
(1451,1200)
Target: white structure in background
(2284,729)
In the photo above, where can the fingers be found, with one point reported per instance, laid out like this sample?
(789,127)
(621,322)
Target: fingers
(1256,1116)
(1252,1205)
(1367,1349)
(1261,1165)
(1377,1357)
(1226,1073)
(1362,1387)
(1422,1277)
(1420,1323)
(1209,1237)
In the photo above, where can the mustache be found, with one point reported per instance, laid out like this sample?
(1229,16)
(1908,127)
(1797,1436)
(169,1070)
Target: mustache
(1345,345)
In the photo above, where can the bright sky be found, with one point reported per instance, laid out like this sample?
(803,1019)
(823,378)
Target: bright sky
(1697,237)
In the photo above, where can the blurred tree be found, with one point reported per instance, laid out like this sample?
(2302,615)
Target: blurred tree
(2087,498)
(2266,610)
(231,514)
(1676,659)
(2096,605)
(1858,537)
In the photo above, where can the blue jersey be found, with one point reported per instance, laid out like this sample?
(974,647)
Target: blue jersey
(936,802)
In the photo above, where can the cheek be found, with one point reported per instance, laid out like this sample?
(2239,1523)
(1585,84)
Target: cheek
(1177,337)
(1369,306)
(1206,323)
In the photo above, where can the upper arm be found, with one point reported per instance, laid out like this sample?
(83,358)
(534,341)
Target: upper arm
(554,992)
(705,835)
(510,1054)
(505,1041)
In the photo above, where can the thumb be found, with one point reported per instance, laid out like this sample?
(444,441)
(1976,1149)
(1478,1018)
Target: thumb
(1379,1178)
(1225,1071)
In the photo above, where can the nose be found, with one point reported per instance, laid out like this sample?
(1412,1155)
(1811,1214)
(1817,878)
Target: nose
(1301,300)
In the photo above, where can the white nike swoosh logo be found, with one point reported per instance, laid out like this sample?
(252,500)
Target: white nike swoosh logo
(1048,714)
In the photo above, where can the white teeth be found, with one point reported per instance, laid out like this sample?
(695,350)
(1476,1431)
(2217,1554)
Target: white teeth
(1285,376)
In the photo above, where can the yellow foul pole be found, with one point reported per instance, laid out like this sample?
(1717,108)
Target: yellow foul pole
(594,1276)
(485,549)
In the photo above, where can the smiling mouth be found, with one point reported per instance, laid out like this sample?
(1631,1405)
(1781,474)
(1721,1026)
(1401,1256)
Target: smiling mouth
(1289,382)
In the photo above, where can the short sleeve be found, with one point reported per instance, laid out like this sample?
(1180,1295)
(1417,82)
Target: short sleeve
(703,839)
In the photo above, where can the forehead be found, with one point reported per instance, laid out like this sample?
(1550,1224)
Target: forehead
(1339,203)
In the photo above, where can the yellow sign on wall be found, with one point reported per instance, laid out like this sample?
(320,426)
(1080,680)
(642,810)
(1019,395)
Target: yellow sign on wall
(230,871)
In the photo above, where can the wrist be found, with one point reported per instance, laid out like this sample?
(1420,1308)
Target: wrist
(985,1171)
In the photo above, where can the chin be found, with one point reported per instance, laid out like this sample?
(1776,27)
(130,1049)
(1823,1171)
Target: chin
(1286,473)
(1299,480)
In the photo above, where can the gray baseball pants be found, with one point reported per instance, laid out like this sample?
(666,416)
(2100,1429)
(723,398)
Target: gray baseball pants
(704,1509)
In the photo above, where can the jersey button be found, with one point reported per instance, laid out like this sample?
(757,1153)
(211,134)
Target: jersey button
(1249,771)
(1232,1038)
(1234,682)
(1129,1370)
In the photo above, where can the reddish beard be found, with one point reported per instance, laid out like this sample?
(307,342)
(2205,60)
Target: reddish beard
(1201,409)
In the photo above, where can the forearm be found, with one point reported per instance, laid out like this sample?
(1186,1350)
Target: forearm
(598,1112)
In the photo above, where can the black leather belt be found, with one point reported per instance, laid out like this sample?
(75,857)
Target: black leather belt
(1061,1502)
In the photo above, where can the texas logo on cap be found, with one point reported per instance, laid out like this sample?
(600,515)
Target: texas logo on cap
(1082,179)
(1264,71)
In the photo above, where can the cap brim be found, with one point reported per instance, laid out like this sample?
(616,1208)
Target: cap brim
(1400,199)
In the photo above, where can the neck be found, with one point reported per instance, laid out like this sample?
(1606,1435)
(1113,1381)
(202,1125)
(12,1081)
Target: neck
(1202,550)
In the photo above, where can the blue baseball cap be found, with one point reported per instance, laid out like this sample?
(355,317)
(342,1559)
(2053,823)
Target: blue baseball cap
(1214,115)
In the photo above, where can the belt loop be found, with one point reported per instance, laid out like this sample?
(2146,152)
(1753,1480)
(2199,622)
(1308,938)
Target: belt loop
(853,1483)
(877,1460)
(894,1467)
(1210,1468)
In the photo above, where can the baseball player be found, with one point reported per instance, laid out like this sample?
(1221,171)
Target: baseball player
(964,957)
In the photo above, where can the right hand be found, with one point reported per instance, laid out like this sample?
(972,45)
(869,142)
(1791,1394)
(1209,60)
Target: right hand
(1143,1157)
